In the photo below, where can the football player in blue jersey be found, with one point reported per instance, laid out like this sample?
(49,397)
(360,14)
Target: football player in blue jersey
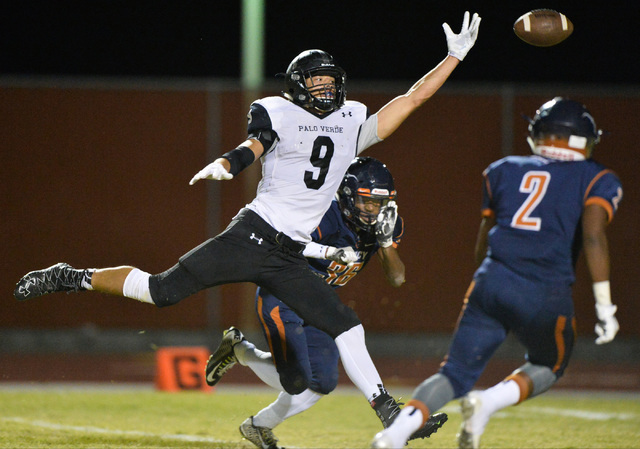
(537,213)
(303,361)
(305,140)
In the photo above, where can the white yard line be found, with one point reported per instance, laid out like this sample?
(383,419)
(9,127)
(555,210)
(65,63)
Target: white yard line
(92,429)
(582,414)
(592,416)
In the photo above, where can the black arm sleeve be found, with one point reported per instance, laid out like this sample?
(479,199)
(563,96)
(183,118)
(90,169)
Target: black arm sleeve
(239,159)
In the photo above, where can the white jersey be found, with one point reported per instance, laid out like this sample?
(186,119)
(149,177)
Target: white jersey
(302,171)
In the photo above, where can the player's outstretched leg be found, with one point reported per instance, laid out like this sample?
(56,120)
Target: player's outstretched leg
(432,425)
(262,437)
(469,435)
(60,277)
(223,358)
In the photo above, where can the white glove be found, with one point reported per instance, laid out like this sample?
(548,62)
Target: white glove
(385,224)
(214,170)
(607,326)
(345,256)
(460,44)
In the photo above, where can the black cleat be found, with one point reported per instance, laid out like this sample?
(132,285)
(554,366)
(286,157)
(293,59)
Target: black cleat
(432,425)
(386,408)
(60,277)
(223,359)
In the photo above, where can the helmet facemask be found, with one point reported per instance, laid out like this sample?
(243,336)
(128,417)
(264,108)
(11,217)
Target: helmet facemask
(321,98)
(366,209)
(366,189)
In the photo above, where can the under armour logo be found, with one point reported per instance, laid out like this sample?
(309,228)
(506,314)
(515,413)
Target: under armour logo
(344,114)
(253,236)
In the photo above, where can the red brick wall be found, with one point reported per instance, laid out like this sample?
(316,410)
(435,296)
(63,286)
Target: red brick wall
(100,178)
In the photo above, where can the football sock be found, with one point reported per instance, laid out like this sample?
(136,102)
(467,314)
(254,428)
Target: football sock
(357,362)
(260,362)
(136,286)
(284,407)
(496,398)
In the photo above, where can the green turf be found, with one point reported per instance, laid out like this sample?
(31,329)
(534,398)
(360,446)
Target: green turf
(143,418)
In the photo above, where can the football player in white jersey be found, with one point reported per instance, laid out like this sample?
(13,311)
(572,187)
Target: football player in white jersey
(305,142)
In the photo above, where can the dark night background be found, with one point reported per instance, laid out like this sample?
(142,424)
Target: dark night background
(397,40)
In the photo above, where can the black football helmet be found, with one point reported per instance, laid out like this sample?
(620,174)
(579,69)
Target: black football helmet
(324,98)
(563,129)
(366,179)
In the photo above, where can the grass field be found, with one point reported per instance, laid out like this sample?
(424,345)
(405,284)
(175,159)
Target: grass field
(120,417)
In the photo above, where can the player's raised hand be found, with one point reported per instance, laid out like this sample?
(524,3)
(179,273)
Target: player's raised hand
(214,170)
(607,326)
(386,223)
(460,44)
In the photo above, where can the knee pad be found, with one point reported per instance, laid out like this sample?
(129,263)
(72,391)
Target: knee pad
(541,377)
(294,383)
(172,286)
(324,387)
(435,391)
(295,375)
(324,359)
(327,381)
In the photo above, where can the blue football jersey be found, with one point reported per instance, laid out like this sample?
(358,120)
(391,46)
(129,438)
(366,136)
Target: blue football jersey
(334,231)
(538,205)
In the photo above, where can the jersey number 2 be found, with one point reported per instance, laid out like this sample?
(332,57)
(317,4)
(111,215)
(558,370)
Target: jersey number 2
(320,161)
(534,183)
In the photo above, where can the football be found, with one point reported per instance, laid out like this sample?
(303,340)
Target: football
(543,27)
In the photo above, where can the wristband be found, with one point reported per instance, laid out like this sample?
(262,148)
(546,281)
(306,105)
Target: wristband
(239,159)
(315,250)
(602,293)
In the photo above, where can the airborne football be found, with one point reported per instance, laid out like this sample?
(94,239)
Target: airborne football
(543,27)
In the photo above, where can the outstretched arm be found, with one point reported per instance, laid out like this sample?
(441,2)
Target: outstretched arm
(231,163)
(397,110)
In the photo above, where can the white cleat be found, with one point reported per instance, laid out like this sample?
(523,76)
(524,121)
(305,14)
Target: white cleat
(382,440)
(470,406)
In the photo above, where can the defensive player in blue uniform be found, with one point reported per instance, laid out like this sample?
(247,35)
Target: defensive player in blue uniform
(362,221)
(538,211)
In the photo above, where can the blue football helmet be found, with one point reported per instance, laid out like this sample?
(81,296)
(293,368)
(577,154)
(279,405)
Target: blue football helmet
(324,98)
(563,129)
(366,180)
